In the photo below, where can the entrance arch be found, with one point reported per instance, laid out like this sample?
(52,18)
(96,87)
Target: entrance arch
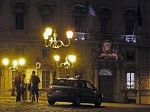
(106,84)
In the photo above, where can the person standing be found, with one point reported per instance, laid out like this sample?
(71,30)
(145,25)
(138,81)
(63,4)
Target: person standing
(34,81)
(23,87)
(17,83)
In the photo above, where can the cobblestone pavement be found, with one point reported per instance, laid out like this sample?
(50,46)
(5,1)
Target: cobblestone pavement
(42,106)
(9,105)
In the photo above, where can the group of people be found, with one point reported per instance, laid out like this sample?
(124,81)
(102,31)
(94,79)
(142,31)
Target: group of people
(21,87)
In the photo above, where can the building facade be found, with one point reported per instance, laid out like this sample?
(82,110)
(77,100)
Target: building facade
(111,42)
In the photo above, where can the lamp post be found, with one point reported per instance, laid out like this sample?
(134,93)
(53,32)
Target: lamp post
(13,66)
(69,60)
(50,37)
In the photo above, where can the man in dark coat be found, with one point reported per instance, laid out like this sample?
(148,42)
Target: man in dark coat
(17,83)
(34,81)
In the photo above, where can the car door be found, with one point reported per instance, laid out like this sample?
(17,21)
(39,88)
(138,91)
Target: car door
(89,93)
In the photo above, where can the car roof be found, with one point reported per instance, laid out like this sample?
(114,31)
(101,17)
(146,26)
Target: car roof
(69,79)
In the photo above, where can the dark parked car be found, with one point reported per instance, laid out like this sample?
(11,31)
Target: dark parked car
(73,90)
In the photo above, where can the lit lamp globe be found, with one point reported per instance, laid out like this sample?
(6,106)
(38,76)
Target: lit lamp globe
(15,63)
(72,58)
(22,61)
(56,58)
(5,61)
(69,34)
(48,32)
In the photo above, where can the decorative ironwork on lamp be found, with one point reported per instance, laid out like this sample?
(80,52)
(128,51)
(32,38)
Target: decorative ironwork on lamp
(69,60)
(50,37)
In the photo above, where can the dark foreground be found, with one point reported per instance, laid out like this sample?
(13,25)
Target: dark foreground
(9,105)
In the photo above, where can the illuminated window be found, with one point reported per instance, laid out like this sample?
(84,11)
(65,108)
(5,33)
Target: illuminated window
(45,79)
(130,81)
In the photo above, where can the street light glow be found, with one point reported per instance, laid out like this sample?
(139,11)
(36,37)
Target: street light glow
(72,58)
(57,58)
(5,61)
(47,33)
(15,63)
(21,61)
(69,34)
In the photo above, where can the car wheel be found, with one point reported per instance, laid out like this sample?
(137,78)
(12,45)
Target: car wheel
(98,102)
(51,102)
(77,101)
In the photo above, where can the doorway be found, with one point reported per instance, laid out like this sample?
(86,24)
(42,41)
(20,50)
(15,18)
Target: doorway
(106,84)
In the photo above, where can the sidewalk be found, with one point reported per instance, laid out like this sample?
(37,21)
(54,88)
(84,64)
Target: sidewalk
(43,98)
(125,105)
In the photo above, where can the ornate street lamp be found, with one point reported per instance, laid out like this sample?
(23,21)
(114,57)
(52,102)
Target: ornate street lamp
(50,37)
(69,60)
(15,63)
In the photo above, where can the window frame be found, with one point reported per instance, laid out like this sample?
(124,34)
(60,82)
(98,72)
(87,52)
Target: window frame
(19,21)
(130,80)
(79,17)
(45,80)
(129,18)
(105,14)
(20,11)
(46,12)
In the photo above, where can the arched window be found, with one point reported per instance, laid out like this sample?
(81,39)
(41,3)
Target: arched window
(129,17)
(46,10)
(105,20)
(104,71)
(79,14)
(20,10)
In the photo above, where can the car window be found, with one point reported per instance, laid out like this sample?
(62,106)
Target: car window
(85,85)
(69,83)
(89,85)
(63,82)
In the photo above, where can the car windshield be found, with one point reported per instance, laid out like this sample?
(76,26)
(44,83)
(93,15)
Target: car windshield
(63,82)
